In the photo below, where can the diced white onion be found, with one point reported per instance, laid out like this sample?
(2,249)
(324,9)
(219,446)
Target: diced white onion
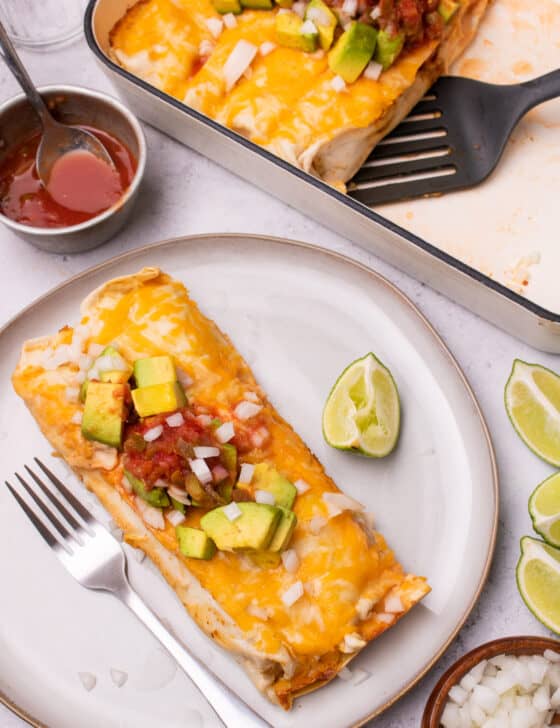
(72,393)
(77,418)
(291,595)
(308,28)
(317,523)
(318,16)
(84,361)
(224,433)
(259,437)
(375,13)
(373,70)
(153,433)
(232,511)
(263,496)
(385,618)
(264,49)
(203,451)
(201,470)
(258,612)
(119,677)
(215,26)
(238,62)
(246,473)
(94,350)
(175,518)
(290,560)
(299,8)
(350,7)
(393,604)
(301,486)
(345,674)
(230,21)
(338,83)
(205,50)
(360,676)
(245,410)
(80,377)
(364,607)
(338,502)
(88,680)
(204,420)
(352,643)
(175,420)
(183,378)
(179,495)
(251,396)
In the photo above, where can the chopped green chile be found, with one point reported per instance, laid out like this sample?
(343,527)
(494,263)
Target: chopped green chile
(135,443)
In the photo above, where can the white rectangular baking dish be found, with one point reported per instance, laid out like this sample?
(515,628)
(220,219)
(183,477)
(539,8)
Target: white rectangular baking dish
(494,249)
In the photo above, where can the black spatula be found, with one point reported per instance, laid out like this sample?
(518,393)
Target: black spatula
(452,139)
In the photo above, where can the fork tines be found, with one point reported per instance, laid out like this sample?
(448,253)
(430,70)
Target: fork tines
(60,516)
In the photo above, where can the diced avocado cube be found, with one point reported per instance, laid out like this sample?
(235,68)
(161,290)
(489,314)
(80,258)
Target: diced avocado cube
(104,413)
(156,497)
(353,51)
(154,370)
(227,6)
(257,4)
(116,377)
(265,477)
(284,530)
(252,530)
(288,33)
(194,543)
(447,9)
(181,507)
(284,3)
(388,48)
(158,398)
(229,454)
(325,22)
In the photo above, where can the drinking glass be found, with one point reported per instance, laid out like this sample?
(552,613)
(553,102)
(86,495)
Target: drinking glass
(40,24)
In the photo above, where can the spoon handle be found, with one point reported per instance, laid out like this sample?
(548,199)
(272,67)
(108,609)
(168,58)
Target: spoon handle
(8,53)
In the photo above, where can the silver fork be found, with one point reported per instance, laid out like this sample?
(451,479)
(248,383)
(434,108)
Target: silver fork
(96,559)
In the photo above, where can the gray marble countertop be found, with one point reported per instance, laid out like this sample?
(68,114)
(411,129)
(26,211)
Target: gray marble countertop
(183,194)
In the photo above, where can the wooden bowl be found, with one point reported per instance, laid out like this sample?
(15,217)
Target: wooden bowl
(506,645)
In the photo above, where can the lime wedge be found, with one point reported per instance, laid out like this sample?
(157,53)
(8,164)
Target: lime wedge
(532,398)
(544,507)
(362,412)
(538,581)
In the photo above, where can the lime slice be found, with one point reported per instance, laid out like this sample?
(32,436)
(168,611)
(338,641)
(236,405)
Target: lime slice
(538,581)
(362,412)
(544,507)
(532,398)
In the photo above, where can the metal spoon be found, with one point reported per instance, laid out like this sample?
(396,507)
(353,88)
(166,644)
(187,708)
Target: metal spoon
(57,139)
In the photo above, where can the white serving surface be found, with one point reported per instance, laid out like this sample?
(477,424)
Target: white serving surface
(185,194)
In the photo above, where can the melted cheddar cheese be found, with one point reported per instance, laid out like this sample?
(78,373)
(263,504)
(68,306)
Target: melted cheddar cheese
(342,564)
(285,103)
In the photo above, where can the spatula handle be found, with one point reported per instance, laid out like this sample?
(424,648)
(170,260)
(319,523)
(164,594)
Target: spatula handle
(541,89)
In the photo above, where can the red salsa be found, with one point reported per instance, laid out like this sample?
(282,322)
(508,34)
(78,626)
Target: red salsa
(81,186)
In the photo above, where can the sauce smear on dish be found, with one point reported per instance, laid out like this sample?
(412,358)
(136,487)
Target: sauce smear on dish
(81,186)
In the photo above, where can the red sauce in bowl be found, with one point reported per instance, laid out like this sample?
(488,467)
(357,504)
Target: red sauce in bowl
(81,186)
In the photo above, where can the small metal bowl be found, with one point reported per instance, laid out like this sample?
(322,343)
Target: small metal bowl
(505,646)
(75,105)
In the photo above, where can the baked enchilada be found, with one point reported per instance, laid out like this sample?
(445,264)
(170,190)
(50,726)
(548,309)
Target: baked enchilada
(159,415)
(317,83)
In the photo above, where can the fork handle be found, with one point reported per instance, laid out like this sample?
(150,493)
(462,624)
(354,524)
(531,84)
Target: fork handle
(232,711)
(541,89)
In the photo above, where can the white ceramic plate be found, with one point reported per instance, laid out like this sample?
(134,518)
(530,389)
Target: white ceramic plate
(299,315)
